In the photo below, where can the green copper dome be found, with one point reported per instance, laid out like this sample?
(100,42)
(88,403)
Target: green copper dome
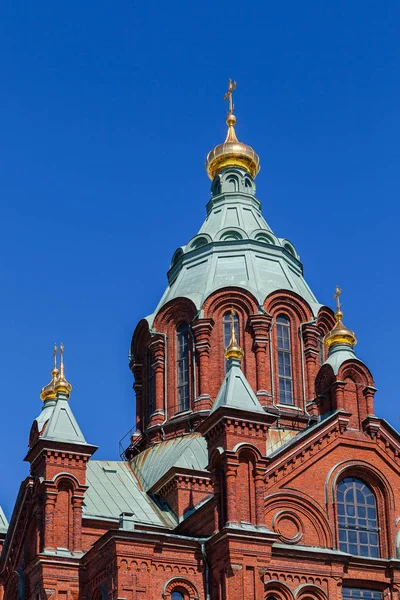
(235,247)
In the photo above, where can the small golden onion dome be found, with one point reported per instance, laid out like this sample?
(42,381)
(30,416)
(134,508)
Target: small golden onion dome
(340,334)
(233,350)
(48,392)
(62,386)
(232,153)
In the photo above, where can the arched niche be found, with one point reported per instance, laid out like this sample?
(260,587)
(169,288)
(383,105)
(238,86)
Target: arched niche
(277,590)
(298,519)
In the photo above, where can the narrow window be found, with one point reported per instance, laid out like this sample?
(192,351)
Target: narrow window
(151,380)
(177,596)
(182,366)
(357,518)
(321,350)
(361,594)
(284,360)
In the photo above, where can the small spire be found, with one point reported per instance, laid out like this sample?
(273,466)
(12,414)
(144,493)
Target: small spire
(339,334)
(48,391)
(230,118)
(232,153)
(229,95)
(233,350)
(62,386)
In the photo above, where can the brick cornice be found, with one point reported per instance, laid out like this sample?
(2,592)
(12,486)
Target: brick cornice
(177,476)
(235,419)
(49,447)
(314,441)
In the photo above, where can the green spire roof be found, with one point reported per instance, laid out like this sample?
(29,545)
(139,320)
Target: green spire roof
(235,247)
(61,423)
(236,392)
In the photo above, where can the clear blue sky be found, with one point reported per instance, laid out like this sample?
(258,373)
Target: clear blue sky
(107,112)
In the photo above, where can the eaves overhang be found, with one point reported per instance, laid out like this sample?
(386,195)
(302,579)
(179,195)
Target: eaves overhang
(304,435)
(58,445)
(226,412)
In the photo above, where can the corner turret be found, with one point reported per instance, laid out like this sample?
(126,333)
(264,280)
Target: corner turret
(58,455)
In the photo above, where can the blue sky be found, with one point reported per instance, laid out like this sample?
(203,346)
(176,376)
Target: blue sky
(107,112)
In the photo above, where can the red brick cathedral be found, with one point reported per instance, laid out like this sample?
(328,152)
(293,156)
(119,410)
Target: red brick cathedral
(257,469)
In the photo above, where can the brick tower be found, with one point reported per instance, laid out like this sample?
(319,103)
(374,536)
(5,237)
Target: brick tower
(256,469)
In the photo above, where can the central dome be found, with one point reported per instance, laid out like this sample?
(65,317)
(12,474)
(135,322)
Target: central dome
(232,153)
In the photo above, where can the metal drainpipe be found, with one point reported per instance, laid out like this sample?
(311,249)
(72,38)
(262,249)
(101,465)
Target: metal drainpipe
(271,363)
(206,569)
(194,362)
(312,322)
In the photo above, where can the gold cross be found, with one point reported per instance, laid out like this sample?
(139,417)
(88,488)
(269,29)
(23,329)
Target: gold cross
(337,297)
(231,88)
(233,332)
(55,355)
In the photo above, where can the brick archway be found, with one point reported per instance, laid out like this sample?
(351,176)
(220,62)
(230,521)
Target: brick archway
(182,585)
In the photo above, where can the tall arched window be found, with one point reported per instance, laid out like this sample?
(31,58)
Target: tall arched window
(177,596)
(357,518)
(284,360)
(182,366)
(227,325)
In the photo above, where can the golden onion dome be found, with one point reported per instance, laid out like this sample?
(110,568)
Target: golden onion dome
(62,386)
(339,334)
(232,153)
(48,392)
(233,350)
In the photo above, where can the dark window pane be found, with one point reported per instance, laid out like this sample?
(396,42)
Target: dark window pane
(352,537)
(182,366)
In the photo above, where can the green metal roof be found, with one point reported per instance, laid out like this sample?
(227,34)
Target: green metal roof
(114,489)
(338,354)
(235,247)
(236,392)
(188,451)
(60,422)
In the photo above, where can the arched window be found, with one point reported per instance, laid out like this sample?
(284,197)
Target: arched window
(151,381)
(177,596)
(227,326)
(357,518)
(182,367)
(284,360)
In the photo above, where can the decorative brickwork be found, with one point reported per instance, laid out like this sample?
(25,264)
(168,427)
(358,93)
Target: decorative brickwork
(242,476)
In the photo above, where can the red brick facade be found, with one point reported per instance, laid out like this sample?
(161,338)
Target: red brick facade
(260,521)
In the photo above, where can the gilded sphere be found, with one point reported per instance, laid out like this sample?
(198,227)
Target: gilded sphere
(232,153)
(48,392)
(340,334)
